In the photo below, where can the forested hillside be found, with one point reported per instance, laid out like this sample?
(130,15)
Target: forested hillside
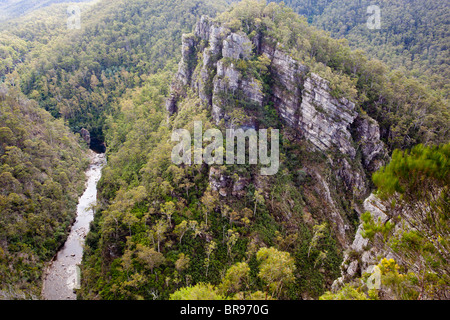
(217,232)
(139,69)
(41,176)
(10,9)
(414,35)
(81,73)
(58,72)
(77,75)
(410,226)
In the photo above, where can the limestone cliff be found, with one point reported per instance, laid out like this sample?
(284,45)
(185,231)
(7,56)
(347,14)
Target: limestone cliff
(211,66)
(360,256)
(363,255)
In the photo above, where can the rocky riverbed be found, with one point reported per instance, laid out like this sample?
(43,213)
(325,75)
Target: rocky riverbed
(62,275)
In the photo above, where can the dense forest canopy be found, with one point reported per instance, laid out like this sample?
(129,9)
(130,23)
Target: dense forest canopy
(167,231)
(41,177)
(58,69)
(78,74)
(10,9)
(413,37)
(406,110)
(162,231)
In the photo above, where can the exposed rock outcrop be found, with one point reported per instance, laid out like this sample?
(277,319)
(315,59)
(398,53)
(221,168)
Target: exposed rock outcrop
(302,99)
(218,77)
(239,187)
(226,185)
(184,74)
(237,46)
(339,225)
(229,82)
(325,120)
(213,66)
(360,257)
(288,77)
(86,136)
(367,134)
(218,181)
(353,178)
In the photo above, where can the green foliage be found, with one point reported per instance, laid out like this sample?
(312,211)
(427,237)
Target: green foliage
(411,37)
(79,74)
(277,269)
(346,293)
(199,292)
(415,188)
(408,112)
(38,159)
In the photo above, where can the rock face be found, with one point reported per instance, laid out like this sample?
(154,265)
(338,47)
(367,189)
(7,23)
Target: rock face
(303,99)
(225,185)
(340,226)
(367,133)
(184,73)
(363,257)
(86,135)
(289,78)
(325,120)
(214,66)
(230,82)
(218,77)
(237,46)
(218,181)
(352,177)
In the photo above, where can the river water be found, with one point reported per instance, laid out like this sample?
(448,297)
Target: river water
(62,275)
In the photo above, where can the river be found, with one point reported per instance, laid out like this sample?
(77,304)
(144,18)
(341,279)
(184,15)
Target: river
(62,275)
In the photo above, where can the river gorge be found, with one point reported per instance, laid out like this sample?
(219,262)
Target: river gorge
(62,275)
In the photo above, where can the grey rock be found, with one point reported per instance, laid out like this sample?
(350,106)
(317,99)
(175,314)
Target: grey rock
(86,135)
(353,178)
(377,209)
(203,27)
(368,256)
(217,180)
(367,135)
(223,192)
(239,187)
(237,46)
(289,77)
(325,120)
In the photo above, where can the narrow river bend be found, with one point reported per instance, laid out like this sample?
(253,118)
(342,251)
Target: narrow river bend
(62,275)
